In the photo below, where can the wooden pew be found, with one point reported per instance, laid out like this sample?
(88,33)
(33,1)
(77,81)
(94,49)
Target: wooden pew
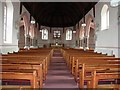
(106,69)
(26,66)
(33,59)
(103,74)
(27,57)
(96,61)
(31,55)
(73,58)
(21,75)
(108,65)
(87,59)
(30,62)
(75,53)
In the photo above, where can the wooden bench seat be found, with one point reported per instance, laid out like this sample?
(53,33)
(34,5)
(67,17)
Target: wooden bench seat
(29,62)
(47,56)
(15,87)
(89,59)
(91,62)
(85,57)
(39,69)
(23,58)
(91,68)
(84,64)
(93,83)
(13,64)
(21,74)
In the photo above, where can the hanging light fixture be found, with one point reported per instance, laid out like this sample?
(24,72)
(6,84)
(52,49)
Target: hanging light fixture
(32,22)
(84,24)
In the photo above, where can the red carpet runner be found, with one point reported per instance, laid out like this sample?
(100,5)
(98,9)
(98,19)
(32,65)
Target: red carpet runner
(59,76)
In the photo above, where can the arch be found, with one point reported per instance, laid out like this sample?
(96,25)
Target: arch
(21,41)
(91,39)
(90,23)
(90,32)
(105,17)
(21,23)
(24,25)
(26,22)
(31,31)
(82,31)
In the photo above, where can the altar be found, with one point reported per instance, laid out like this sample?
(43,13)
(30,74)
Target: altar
(56,45)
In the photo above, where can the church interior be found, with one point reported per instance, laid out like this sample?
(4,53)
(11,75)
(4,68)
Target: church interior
(59,45)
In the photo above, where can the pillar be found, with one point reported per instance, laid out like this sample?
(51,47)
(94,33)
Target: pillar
(81,46)
(27,41)
(32,43)
(86,43)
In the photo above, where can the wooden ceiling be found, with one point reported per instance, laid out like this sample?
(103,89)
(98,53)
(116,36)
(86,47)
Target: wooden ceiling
(58,14)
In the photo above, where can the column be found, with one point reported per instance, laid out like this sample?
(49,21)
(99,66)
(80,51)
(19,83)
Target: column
(32,43)
(81,46)
(86,42)
(36,43)
(27,41)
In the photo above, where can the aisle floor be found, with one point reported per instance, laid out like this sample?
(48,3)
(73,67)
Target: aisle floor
(59,75)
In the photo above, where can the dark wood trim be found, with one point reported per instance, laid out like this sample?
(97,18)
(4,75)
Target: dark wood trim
(20,7)
(94,11)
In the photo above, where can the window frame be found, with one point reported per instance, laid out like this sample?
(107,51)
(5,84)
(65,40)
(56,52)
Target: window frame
(5,23)
(69,34)
(105,17)
(8,28)
(43,32)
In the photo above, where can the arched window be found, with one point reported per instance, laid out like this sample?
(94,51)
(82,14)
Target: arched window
(68,34)
(105,17)
(44,34)
(8,22)
(5,21)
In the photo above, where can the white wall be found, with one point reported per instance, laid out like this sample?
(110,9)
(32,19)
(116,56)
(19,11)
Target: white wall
(1,19)
(107,40)
(119,31)
(10,47)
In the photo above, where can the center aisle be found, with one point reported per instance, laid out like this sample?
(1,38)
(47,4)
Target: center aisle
(58,75)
